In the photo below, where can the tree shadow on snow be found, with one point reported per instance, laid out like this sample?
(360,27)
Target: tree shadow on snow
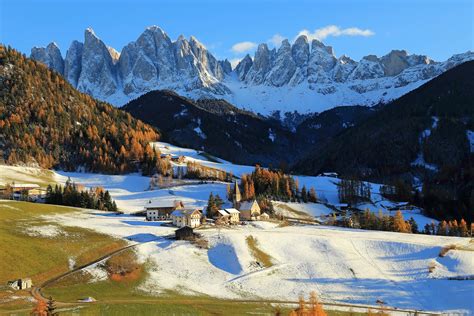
(223,257)
(164,243)
(142,237)
(143,223)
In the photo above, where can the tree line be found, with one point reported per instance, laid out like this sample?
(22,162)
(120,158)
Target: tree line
(396,223)
(71,195)
(353,191)
(270,184)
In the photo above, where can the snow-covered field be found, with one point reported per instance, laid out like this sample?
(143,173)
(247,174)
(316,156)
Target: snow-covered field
(302,210)
(193,155)
(342,265)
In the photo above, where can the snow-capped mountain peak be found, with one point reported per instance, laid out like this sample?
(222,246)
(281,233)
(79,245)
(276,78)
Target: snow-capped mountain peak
(305,76)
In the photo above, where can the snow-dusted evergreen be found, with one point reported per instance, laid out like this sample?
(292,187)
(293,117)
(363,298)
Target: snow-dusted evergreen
(303,76)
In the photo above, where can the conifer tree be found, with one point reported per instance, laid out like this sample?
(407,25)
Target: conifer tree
(414,225)
(399,224)
(463,231)
(453,228)
(51,307)
(40,309)
(218,201)
(211,206)
(287,189)
(442,228)
(427,229)
(229,192)
(304,195)
(312,195)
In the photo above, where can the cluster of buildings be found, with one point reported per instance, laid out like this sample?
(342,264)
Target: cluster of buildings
(175,158)
(23,191)
(192,217)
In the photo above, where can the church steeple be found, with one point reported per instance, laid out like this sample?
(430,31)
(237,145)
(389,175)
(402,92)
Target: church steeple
(237,196)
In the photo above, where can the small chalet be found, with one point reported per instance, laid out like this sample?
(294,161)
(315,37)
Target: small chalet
(20,284)
(222,217)
(156,212)
(191,218)
(184,233)
(264,217)
(27,191)
(329,174)
(178,159)
(234,215)
(249,210)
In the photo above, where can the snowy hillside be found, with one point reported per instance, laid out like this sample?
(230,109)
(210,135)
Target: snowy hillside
(303,76)
(342,266)
(347,267)
(132,192)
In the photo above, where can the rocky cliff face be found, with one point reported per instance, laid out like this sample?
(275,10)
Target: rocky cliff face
(50,56)
(98,75)
(304,76)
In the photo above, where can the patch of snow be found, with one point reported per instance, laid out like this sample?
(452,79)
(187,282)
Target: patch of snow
(420,159)
(96,272)
(470,137)
(200,133)
(312,209)
(47,231)
(271,135)
(71,262)
(9,206)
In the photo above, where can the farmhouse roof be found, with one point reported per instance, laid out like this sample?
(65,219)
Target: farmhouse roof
(232,211)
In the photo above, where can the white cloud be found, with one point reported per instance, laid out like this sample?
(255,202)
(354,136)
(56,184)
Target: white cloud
(276,39)
(234,62)
(243,47)
(333,30)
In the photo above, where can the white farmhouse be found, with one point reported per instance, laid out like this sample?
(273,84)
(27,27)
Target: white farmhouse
(234,215)
(191,218)
(161,211)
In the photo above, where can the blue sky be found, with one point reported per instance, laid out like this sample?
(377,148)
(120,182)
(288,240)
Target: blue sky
(355,28)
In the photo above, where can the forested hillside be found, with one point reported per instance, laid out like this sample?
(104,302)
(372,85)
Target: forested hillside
(421,138)
(215,126)
(228,132)
(44,120)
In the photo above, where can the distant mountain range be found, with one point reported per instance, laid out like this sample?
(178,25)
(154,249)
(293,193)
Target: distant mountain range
(304,76)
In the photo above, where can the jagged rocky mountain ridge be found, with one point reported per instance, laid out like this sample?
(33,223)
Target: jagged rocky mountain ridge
(304,76)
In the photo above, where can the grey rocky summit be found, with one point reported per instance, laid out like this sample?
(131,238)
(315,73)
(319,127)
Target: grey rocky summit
(50,56)
(154,61)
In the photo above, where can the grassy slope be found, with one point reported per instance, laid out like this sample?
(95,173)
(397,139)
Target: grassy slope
(41,258)
(123,298)
(261,256)
(42,177)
